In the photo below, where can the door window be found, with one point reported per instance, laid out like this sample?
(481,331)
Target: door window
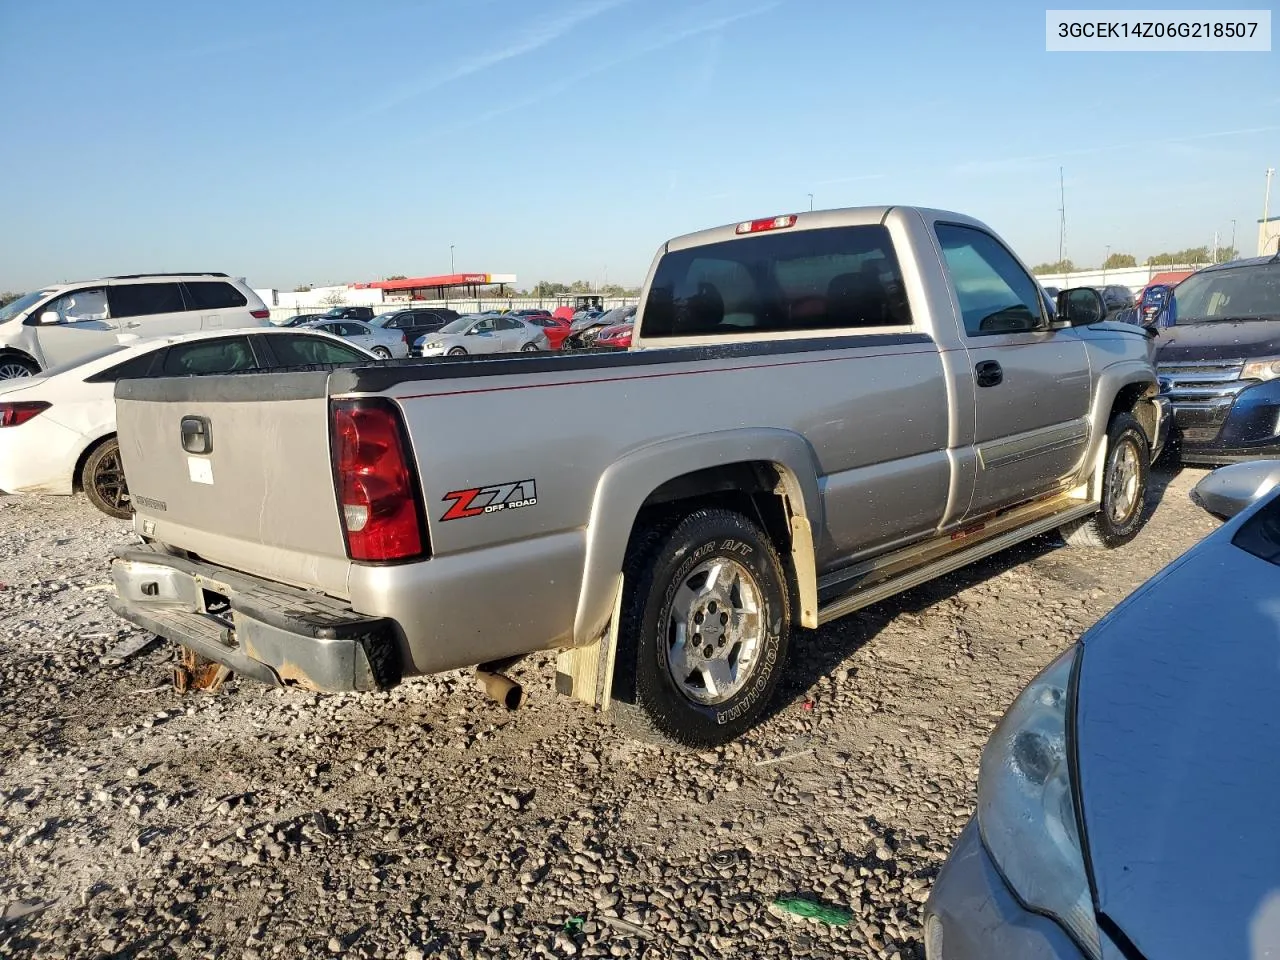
(485,326)
(79,306)
(208,356)
(996,295)
(213,295)
(300,350)
(350,329)
(145,299)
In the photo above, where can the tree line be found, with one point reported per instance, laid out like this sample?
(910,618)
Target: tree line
(1121,261)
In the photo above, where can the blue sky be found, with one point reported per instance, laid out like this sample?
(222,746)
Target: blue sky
(327,141)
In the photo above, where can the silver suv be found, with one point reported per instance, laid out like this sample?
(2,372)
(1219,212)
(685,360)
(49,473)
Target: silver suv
(57,325)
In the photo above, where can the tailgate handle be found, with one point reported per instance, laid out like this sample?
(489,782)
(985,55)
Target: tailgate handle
(197,435)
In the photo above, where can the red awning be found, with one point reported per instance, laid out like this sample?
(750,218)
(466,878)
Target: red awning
(418,283)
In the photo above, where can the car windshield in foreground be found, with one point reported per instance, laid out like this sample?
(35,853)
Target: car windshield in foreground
(1237,295)
(1260,534)
(24,302)
(460,325)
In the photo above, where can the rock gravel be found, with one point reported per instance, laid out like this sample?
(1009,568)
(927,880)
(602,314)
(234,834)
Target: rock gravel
(428,822)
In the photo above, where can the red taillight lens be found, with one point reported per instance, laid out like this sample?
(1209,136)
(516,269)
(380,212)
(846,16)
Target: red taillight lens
(260,314)
(377,491)
(16,414)
(773,223)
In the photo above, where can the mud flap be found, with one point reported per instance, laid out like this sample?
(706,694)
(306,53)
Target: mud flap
(586,673)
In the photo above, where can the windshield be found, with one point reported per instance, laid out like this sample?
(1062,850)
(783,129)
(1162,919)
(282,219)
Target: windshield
(460,325)
(1242,293)
(24,302)
(381,319)
(335,312)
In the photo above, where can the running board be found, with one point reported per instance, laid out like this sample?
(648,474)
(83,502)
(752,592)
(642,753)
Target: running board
(875,580)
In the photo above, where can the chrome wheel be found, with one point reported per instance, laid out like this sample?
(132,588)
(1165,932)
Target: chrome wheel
(382,353)
(12,370)
(108,481)
(1123,483)
(714,631)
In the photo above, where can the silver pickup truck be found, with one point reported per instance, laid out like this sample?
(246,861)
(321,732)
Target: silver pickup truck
(818,411)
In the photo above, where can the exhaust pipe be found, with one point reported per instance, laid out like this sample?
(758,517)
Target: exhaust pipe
(501,688)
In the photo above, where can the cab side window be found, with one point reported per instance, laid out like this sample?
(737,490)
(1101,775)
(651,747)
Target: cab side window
(145,299)
(995,294)
(79,306)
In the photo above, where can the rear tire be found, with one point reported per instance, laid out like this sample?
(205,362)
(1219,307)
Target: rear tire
(102,479)
(382,353)
(706,622)
(1124,489)
(11,368)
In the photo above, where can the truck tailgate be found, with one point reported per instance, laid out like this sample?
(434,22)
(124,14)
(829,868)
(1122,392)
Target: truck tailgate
(237,470)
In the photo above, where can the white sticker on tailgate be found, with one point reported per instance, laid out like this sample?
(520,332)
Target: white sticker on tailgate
(201,470)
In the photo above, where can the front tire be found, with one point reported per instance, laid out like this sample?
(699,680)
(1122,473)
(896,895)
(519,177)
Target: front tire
(1124,489)
(457,352)
(706,622)
(102,479)
(11,368)
(529,348)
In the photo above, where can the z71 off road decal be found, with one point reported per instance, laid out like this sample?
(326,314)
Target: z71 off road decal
(481,500)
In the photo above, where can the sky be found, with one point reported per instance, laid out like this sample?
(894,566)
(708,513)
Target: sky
(327,142)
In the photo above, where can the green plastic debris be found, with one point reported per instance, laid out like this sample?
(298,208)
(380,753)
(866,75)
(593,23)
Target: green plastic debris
(574,925)
(835,916)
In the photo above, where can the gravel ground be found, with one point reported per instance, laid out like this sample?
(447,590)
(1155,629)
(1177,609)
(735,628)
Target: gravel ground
(256,823)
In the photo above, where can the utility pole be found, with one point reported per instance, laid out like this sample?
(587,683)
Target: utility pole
(1062,219)
(1215,247)
(1233,239)
(1104,265)
(811,203)
(451,269)
(1266,213)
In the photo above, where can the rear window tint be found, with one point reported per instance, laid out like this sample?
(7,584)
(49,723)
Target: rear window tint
(300,350)
(144,299)
(130,369)
(784,282)
(213,295)
(208,356)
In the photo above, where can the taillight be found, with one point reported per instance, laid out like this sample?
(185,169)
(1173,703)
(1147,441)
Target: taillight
(773,223)
(260,314)
(377,489)
(16,414)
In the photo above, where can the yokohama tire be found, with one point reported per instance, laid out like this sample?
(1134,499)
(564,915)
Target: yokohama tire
(663,561)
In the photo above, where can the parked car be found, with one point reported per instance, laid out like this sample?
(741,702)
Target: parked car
(616,337)
(555,328)
(363,314)
(585,329)
(58,428)
(1116,297)
(414,322)
(383,344)
(1218,356)
(303,319)
(1126,807)
(1052,293)
(59,324)
(564,313)
(531,313)
(1151,303)
(483,333)
(791,453)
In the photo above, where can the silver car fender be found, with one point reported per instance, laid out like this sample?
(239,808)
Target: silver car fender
(628,483)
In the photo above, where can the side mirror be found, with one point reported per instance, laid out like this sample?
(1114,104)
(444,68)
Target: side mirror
(1081,306)
(50,317)
(1230,490)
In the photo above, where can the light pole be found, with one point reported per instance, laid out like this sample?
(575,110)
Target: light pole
(1266,213)
(451,269)
(1104,265)
(1233,239)
(811,203)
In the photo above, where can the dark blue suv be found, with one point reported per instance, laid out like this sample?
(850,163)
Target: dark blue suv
(1218,359)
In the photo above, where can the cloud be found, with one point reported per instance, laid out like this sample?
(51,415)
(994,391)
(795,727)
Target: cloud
(666,37)
(535,37)
(1007,164)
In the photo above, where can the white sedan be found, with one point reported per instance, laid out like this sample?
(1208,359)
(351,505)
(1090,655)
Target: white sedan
(483,333)
(58,428)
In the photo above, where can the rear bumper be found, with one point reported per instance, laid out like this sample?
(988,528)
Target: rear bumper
(264,630)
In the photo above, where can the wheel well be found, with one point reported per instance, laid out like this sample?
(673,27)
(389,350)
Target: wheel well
(11,352)
(756,489)
(76,483)
(1130,400)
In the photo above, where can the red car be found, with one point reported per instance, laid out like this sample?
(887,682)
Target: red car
(618,335)
(556,329)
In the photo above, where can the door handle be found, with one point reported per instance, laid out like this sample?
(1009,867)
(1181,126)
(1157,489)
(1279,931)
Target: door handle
(133,323)
(988,373)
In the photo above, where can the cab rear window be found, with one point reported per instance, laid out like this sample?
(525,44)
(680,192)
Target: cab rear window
(834,279)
